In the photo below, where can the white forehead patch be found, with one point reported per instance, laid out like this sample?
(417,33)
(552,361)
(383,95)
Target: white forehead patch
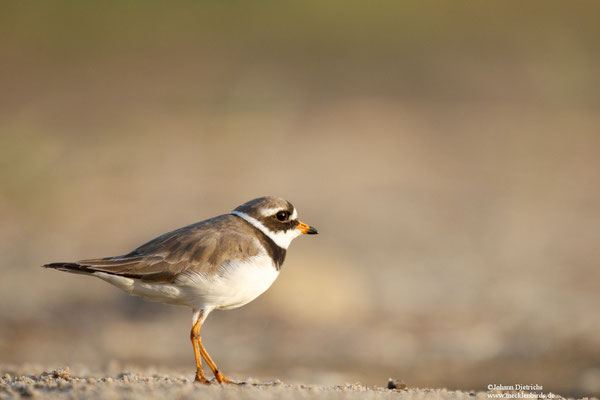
(281,239)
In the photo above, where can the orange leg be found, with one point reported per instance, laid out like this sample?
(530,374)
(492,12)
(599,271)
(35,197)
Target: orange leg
(200,350)
(218,374)
(195,337)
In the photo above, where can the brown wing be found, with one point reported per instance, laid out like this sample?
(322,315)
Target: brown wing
(201,247)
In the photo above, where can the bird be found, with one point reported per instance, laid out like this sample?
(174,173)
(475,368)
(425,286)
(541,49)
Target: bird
(220,263)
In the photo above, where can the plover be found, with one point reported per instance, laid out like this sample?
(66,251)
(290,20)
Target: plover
(221,263)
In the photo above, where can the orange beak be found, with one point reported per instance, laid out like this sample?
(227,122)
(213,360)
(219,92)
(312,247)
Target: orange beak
(306,229)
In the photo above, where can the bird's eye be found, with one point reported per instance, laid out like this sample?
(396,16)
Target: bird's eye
(283,215)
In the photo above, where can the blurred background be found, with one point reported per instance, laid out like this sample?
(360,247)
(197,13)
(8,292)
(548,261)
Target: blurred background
(448,152)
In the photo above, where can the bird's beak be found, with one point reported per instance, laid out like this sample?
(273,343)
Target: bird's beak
(302,227)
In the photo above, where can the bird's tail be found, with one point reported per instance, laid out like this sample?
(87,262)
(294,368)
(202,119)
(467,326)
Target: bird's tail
(74,268)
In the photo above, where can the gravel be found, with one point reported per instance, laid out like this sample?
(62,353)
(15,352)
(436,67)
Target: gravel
(62,383)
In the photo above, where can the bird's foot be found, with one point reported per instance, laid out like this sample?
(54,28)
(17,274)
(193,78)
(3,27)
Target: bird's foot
(223,379)
(202,379)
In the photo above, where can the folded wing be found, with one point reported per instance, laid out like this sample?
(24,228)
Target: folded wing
(202,248)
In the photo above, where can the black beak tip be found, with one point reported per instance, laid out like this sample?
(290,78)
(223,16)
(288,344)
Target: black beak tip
(312,231)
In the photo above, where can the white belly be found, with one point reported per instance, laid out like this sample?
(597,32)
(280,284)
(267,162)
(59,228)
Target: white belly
(237,283)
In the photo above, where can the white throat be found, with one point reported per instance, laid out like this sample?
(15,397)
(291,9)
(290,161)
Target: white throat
(281,239)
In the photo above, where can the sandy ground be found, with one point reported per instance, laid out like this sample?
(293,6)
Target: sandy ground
(62,383)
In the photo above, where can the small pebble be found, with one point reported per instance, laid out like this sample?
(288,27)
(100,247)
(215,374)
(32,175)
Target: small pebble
(394,384)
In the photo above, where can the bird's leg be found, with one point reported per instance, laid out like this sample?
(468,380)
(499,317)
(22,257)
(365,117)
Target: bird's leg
(200,351)
(218,374)
(195,338)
